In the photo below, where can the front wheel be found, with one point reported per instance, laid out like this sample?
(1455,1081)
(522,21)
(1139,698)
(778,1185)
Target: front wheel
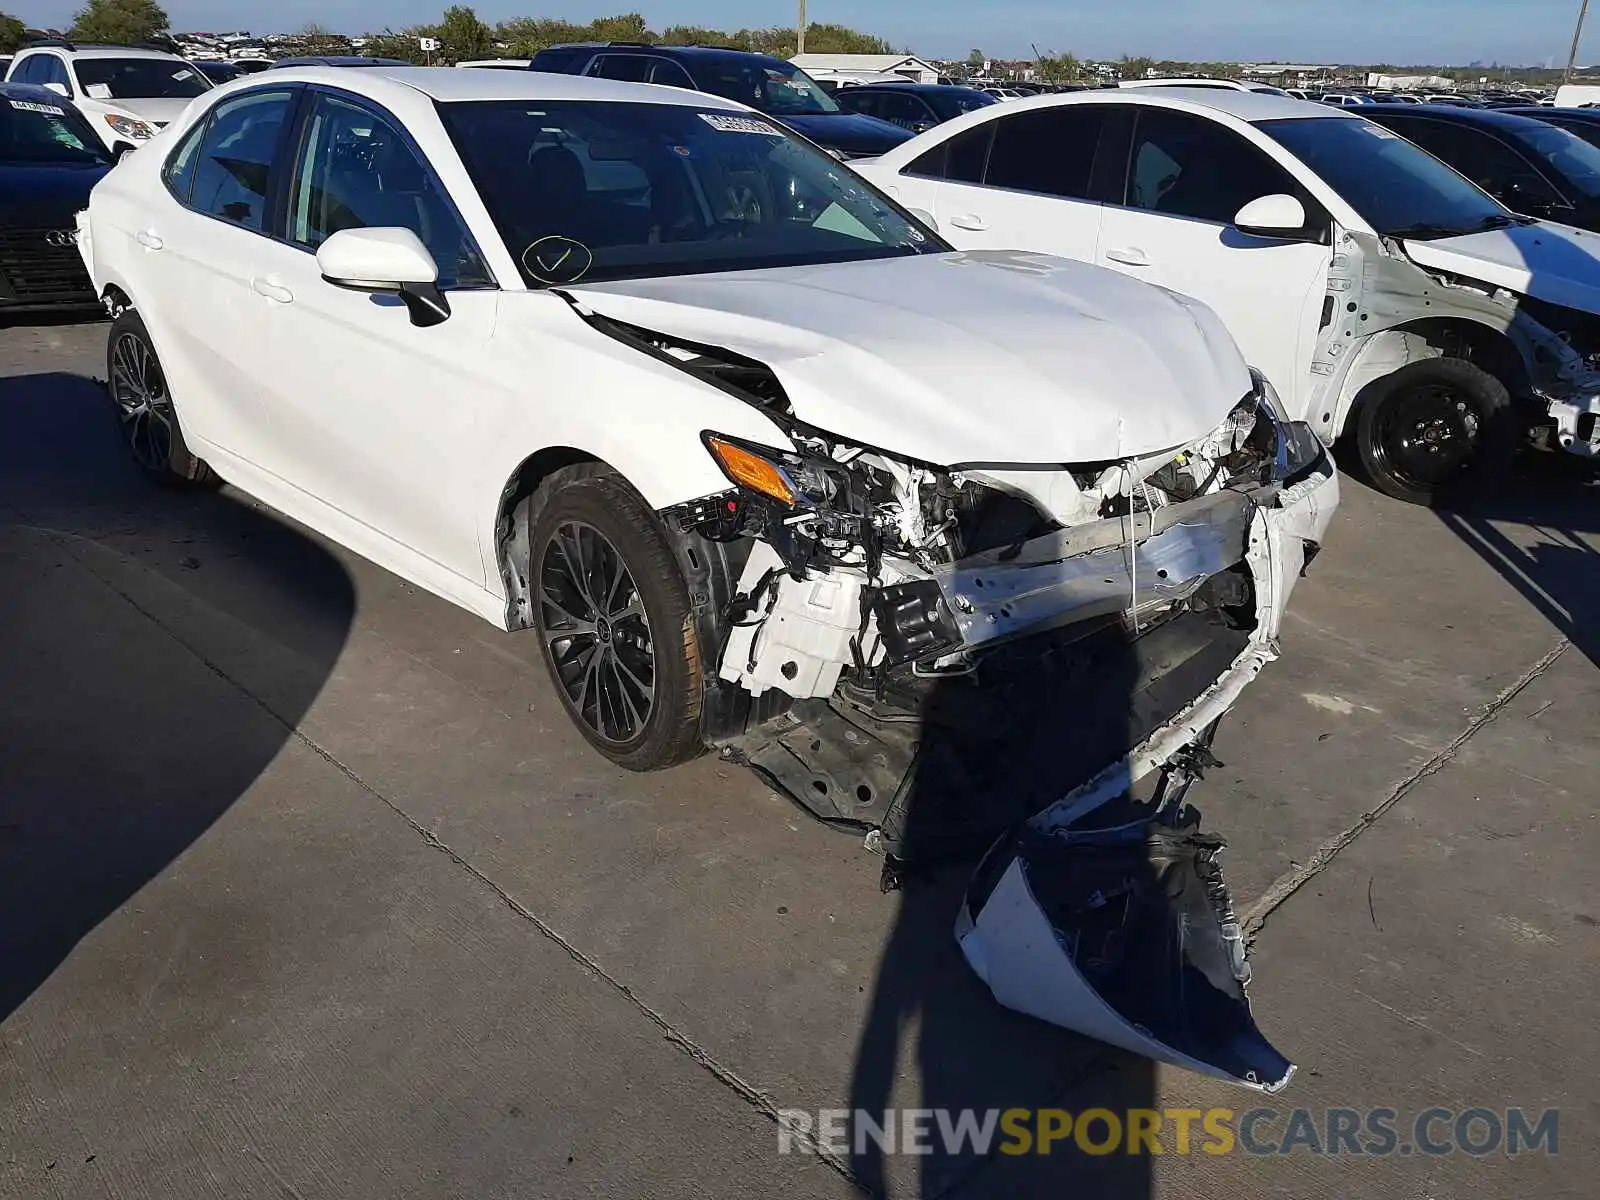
(613,619)
(1433,429)
(149,420)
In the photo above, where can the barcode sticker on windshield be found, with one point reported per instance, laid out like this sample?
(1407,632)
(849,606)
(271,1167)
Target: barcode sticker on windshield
(730,124)
(30,106)
(1378,131)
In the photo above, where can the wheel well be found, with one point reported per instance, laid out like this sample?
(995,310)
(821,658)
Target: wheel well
(115,299)
(1447,337)
(510,525)
(1479,344)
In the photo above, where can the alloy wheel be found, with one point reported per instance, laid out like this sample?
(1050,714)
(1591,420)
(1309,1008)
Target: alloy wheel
(598,633)
(140,391)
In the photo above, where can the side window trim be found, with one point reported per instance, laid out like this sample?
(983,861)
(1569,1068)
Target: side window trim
(988,160)
(302,127)
(943,150)
(270,222)
(197,135)
(1317,216)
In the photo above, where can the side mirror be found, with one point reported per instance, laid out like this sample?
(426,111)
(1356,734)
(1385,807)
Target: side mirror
(59,89)
(386,260)
(1271,216)
(925,217)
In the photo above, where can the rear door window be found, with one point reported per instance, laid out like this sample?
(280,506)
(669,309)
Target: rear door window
(960,159)
(1188,166)
(627,68)
(240,157)
(1047,150)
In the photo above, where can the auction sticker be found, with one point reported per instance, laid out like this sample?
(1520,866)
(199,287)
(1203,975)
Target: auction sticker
(730,124)
(30,106)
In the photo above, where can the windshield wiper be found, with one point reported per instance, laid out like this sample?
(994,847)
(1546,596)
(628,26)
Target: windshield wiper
(1424,229)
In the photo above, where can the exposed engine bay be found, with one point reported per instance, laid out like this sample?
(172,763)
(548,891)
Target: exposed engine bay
(937,652)
(945,658)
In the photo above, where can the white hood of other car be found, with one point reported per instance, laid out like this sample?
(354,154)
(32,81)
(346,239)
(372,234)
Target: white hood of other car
(162,109)
(1554,263)
(993,357)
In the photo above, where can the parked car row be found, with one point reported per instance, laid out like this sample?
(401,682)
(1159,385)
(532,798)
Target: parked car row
(1382,294)
(862,475)
(762,462)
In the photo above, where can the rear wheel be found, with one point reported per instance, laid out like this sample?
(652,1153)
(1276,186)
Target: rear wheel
(1434,429)
(613,619)
(149,420)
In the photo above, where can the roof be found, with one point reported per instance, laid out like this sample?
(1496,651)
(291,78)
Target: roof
(857,62)
(1541,112)
(338,60)
(911,85)
(1246,106)
(448,84)
(82,51)
(1483,118)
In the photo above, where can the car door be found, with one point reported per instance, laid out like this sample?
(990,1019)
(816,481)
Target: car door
(368,417)
(197,243)
(1187,176)
(1034,192)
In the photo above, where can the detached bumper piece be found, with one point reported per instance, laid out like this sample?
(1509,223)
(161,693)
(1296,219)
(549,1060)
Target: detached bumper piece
(1123,934)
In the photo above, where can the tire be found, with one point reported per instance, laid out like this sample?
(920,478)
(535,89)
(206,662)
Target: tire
(622,649)
(1434,430)
(145,409)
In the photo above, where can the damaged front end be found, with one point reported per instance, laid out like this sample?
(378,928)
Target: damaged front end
(940,656)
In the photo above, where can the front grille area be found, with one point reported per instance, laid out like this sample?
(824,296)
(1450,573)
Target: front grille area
(33,269)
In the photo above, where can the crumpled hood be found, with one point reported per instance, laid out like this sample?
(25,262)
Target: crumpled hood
(160,110)
(992,357)
(1550,262)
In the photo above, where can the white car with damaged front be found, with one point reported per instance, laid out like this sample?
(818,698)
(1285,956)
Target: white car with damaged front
(1386,297)
(757,459)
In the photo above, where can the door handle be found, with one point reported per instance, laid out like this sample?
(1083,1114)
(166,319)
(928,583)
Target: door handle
(969,222)
(1129,256)
(148,240)
(272,291)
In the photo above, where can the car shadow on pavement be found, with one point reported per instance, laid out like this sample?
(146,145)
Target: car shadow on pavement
(159,647)
(1557,500)
(934,1036)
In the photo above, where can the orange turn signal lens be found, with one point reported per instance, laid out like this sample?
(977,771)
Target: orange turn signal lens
(750,470)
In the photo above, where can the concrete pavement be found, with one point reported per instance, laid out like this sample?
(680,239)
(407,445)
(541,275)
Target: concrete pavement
(310,890)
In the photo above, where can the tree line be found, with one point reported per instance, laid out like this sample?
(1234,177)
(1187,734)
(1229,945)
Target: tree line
(462,35)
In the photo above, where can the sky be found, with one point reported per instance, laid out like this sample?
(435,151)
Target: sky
(1355,31)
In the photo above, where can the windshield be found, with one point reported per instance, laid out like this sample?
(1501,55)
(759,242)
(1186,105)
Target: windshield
(1568,153)
(41,132)
(1399,190)
(139,79)
(771,86)
(956,101)
(591,191)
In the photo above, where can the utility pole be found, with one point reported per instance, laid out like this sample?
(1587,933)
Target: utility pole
(800,29)
(1572,55)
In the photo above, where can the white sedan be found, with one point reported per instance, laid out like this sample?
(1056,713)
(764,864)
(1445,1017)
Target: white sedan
(1381,293)
(760,461)
(542,344)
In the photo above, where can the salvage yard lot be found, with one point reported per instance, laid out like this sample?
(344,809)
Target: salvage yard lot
(309,888)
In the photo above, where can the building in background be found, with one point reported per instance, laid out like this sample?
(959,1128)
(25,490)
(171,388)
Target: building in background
(907,66)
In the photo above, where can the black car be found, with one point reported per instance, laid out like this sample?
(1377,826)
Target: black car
(780,89)
(49,160)
(1585,122)
(913,106)
(216,70)
(1530,166)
